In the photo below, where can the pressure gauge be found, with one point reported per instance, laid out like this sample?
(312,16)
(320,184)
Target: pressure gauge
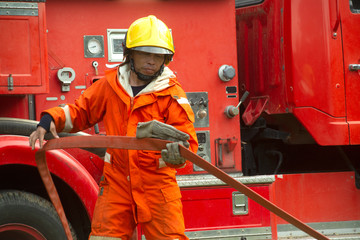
(93,46)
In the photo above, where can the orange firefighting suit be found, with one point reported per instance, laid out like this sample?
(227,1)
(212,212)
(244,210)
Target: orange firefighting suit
(137,186)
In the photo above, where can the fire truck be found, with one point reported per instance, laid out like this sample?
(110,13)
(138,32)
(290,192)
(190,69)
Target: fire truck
(273,85)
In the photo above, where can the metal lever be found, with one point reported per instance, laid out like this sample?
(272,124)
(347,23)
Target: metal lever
(95,64)
(354,67)
(231,111)
(337,20)
(10,82)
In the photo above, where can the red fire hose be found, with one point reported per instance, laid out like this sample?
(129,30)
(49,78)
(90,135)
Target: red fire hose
(155,145)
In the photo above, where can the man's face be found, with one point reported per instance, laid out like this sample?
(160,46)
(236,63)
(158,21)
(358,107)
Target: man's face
(147,63)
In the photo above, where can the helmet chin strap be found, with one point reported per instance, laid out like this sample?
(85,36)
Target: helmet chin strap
(143,77)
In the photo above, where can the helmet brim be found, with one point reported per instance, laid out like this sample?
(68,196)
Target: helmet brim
(154,50)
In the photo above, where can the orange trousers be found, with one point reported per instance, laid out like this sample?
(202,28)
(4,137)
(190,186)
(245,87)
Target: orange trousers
(115,211)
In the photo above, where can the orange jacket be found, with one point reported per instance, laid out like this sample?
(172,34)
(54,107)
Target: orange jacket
(110,100)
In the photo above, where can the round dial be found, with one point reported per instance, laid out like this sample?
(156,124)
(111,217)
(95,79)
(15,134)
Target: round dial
(94,46)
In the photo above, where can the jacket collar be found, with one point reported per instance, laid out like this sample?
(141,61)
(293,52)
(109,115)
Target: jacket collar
(165,80)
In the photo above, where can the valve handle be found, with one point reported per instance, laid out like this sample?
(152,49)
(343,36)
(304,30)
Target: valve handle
(243,98)
(231,111)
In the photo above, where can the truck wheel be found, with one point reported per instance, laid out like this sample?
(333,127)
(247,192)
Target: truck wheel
(26,216)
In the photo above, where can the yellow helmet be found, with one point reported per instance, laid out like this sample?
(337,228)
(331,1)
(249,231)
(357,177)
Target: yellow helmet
(149,34)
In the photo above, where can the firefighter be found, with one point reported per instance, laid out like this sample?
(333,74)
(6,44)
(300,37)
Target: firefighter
(141,98)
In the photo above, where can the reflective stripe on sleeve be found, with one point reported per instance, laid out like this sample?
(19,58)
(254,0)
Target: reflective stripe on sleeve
(183,101)
(68,123)
(107,158)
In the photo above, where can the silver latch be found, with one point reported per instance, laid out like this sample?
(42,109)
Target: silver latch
(240,203)
(10,82)
(354,67)
(66,75)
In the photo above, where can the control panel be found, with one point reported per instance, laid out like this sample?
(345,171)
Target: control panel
(199,104)
(204,147)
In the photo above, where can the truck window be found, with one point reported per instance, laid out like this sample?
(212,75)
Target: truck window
(355,6)
(244,3)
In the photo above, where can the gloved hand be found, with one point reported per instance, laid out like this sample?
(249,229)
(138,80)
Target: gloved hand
(156,129)
(172,154)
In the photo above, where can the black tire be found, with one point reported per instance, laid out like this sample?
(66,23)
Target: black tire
(25,216)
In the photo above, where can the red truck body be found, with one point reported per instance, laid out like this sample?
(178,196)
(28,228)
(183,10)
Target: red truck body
(294,141)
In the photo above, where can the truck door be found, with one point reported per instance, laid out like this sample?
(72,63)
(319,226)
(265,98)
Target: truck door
(23,55)
(350,22)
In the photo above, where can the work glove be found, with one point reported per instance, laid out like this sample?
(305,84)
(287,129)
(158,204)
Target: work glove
(156,129)
(172,154)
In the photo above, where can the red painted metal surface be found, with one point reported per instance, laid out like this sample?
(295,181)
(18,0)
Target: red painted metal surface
(350,38)
(24,53)
(296,61)
(329,130)
(318,197)
(254,109)
(316,63)
(260,53)
(317,73)
(198,202)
